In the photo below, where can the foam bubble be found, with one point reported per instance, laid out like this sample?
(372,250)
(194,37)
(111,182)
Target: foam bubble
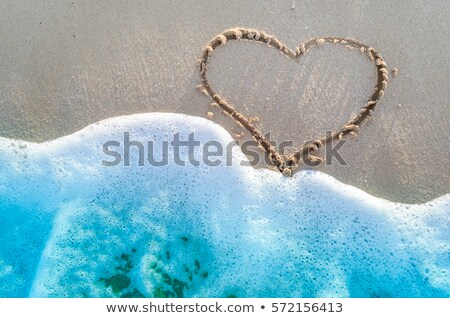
(72,227)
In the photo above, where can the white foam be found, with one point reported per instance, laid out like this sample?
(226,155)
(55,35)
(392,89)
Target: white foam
(74,227)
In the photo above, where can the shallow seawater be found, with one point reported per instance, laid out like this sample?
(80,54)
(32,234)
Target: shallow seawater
(72,227)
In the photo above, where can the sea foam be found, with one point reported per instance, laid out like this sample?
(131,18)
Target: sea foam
(72,227)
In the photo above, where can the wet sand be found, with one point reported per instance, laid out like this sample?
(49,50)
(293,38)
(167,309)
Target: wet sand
(67,65)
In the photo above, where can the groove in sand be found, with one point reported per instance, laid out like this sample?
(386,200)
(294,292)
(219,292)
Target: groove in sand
(288,163)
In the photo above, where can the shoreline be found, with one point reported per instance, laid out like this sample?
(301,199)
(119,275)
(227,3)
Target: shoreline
(220,132)
(59,76)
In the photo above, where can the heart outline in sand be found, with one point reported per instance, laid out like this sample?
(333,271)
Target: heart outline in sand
(283,163)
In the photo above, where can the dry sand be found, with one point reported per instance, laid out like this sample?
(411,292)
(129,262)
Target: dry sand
(68,64)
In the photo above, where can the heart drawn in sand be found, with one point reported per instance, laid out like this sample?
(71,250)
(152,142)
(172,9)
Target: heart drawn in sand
(287,164)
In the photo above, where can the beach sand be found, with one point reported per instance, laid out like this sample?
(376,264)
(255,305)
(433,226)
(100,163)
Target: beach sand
(68,64)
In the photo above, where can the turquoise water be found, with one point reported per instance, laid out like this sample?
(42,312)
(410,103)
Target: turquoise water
(72,227)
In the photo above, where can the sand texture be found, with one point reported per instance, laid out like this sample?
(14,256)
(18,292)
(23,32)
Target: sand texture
(66,65)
